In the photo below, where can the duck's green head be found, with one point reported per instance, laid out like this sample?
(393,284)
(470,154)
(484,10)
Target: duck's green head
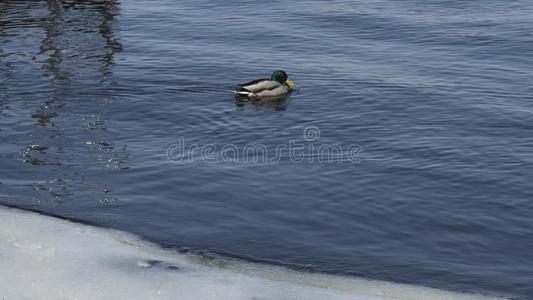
(279,76)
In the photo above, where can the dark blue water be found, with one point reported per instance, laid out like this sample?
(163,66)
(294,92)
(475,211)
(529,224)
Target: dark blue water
(437,95)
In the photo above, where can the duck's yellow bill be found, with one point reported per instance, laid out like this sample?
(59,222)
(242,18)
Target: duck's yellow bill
(290,83)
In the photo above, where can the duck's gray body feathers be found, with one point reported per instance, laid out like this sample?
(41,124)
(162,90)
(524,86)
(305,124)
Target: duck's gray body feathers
(261,88)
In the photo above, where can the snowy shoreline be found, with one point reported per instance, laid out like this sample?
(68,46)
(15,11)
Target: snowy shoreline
(43,257)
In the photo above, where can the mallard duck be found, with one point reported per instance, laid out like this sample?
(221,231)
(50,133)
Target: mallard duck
(278,85)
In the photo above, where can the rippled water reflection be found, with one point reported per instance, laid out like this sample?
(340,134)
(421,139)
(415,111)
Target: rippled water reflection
(438,94)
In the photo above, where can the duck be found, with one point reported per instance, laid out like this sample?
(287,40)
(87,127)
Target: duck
(278,85)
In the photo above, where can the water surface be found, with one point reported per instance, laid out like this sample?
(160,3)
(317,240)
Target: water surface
(437,94)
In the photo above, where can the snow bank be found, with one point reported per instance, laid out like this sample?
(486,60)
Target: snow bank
(47,258)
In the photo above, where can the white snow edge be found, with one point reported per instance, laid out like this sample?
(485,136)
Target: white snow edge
(42,257)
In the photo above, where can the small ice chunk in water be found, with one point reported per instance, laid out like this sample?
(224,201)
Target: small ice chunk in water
(143,264)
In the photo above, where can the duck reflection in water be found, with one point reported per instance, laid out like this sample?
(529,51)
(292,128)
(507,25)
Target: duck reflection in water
(269,103)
